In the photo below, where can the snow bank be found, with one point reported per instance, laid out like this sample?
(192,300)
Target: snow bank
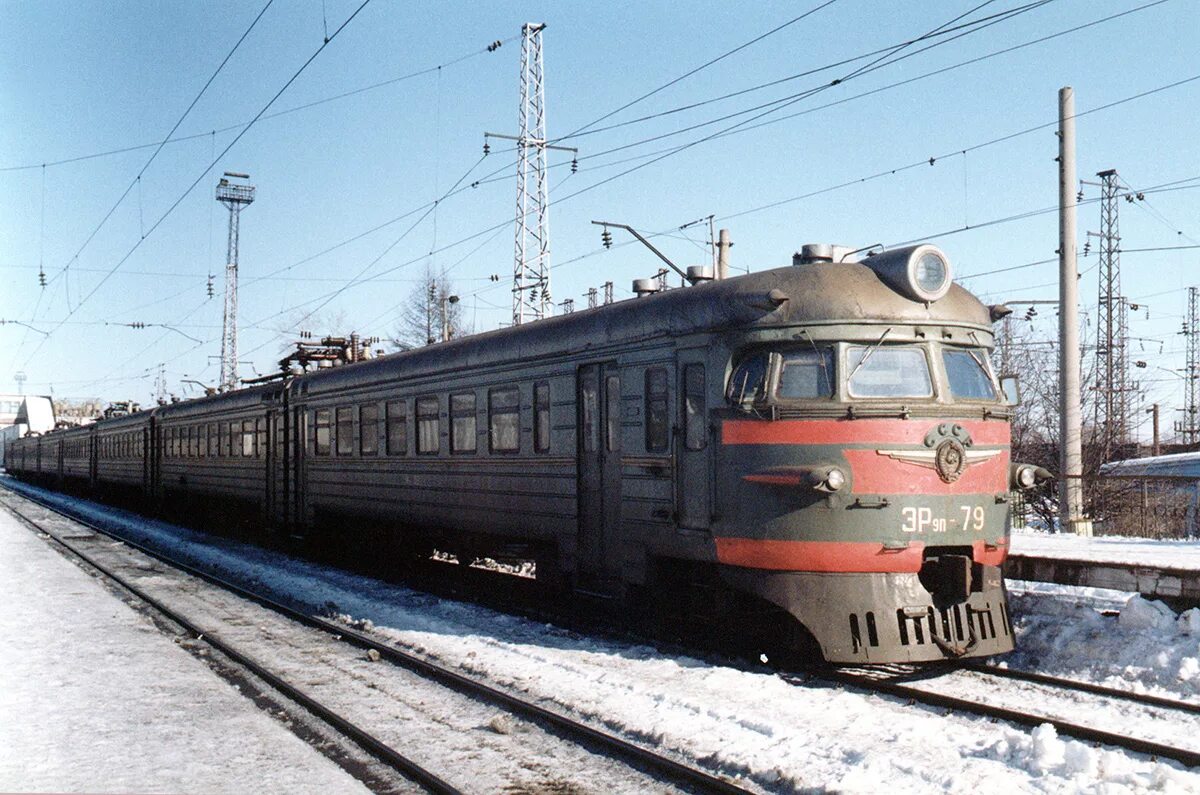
(1142,645)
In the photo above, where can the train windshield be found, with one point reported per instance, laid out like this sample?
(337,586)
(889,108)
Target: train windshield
(889,371)
(968,374)
(748,384)
(806,374)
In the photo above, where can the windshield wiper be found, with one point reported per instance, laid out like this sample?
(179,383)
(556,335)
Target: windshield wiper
(868,354)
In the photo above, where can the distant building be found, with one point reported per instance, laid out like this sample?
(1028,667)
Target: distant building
(22,414)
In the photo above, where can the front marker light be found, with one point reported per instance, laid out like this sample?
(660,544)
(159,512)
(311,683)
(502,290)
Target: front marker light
(1026,477)
(835,479)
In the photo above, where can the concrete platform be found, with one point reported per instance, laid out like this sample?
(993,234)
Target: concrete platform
(93,697)
(1168,570)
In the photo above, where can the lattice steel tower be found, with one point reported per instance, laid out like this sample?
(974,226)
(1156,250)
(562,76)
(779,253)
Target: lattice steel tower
(1191,404)
(531,260)
(235,196)
(531,271)
(1112,343)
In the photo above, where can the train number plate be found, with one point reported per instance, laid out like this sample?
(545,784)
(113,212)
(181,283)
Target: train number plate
(919,519)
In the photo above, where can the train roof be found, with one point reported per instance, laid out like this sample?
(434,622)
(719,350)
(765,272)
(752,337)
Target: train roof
(820,293)
(1177,465)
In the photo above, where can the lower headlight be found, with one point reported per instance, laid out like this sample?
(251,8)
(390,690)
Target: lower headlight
(1026,477)
(835,479)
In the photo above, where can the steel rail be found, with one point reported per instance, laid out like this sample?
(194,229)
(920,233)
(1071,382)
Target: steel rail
(631,752)
(1078,731)
(1086,687)
(360,736)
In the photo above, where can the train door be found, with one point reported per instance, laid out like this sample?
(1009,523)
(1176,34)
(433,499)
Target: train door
(297,515)
(145,454)
(277,461)
(271,462)
(692,488)
(93,458)
(598,401)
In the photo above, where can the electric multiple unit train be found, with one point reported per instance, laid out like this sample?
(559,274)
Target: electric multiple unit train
(819,452)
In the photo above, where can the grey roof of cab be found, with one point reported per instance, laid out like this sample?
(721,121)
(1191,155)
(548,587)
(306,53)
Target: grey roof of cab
(817,293)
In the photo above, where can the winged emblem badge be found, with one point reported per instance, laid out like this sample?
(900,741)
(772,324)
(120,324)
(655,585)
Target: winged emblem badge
(947,451)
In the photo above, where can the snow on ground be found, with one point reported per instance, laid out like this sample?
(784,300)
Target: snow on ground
(1110,637)
(1108,549)
(784,736)
(94,698)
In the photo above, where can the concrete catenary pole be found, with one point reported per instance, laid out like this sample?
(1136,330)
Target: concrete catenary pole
(1070,484)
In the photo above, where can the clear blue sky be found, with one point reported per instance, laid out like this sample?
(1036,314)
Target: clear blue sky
(82,78)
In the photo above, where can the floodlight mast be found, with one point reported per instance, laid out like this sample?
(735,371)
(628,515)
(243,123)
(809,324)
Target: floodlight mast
(234,196)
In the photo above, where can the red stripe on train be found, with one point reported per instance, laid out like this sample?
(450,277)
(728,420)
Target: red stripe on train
(872,473)
(854,431)
(846,557)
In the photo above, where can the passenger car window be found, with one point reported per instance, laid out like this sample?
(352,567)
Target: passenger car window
(345,430)
(397,428)
(695,413)
(806,374)
(248,438)
(612,408)
(657,430)
(427,425)
(368,429)
(888,372)
(504,420)
(541,417)
(321,432)
(462,423)
(967,374)
(749,380)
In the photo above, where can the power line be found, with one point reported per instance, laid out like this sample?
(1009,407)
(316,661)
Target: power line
(700,68)
(492,177)
(137,180)
(315,103)
(205,172)
(779,81)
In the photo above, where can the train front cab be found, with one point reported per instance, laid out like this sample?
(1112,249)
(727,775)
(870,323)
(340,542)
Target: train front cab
(864,477)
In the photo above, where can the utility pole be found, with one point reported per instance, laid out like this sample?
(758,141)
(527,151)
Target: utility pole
(531,265)
(234,196)
(1070,484)
(608,293)
(723,246)
(1153,410)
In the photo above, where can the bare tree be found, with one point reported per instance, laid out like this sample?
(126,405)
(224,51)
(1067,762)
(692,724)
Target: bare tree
(1022,350)
(430,308)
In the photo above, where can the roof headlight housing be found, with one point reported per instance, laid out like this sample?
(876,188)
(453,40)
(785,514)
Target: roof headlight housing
(921,273)
(930,274)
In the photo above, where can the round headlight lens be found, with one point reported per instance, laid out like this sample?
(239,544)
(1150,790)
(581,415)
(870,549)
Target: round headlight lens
(930,274)
(1026,477)
(835,479)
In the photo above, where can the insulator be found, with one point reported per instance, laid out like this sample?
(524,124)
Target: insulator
(495,45)
(487,148)
(495,277)
(1079,196)
(606,238)
(41,277)
(574,165)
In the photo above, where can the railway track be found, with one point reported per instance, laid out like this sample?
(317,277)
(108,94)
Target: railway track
(636,757)
(960,690)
